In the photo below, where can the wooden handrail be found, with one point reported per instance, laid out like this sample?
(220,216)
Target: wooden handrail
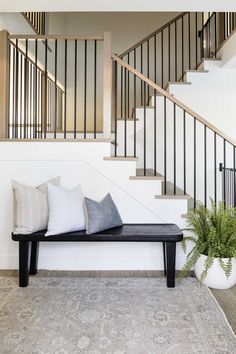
(54,37)
(173,99)
(153,34)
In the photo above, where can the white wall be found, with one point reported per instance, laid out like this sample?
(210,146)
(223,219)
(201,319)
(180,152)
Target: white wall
(126,28)
(82,163)
(15,23)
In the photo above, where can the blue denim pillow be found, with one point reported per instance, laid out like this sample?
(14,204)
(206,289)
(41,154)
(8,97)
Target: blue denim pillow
(102,215)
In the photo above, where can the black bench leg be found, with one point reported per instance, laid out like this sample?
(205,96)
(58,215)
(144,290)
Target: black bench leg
(23,263)
(164,256)
(34,258)
(170,253)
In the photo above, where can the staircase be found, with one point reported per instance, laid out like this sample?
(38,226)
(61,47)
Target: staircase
(157,156)
(174,148)
(171,141)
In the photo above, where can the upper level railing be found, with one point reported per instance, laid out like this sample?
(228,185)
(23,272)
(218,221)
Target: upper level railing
(217,28)
(37,21)
(179,45)
(168,138)
(62,93)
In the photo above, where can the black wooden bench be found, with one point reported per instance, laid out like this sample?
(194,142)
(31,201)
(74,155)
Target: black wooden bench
(168,234)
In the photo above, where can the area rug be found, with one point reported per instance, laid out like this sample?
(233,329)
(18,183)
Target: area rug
(110,315)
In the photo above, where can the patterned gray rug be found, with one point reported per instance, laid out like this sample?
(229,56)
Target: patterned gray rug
(110,315)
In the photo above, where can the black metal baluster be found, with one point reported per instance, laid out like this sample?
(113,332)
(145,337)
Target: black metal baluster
(155,59)
(95,90)
(227,25)
(215,169)
(65,94)
(141,63)
(165,143)
(21,94)
(148,72)
(144,133)
(121,94)
(45,89)
(115,68)
(125,109)
(205,165)
(155,133)
(174,131)
(209,37)
(128,91)
(135,104)
(30,99)
(234,180)
(55,92)
(36,91)
(162,61)
(26,91)
(85,88)
(194,164)
(182,29)
(189,41)
(224,159)
(12,123)
(16,91)
(10,71)
(184,148)
(196,38)
(215,36)
(176,62)
(169,53)
(75,92)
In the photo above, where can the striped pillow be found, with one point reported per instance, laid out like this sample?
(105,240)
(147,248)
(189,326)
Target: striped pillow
(31,207)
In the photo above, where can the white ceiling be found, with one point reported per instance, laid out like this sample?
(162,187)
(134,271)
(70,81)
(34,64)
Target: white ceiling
(117,5)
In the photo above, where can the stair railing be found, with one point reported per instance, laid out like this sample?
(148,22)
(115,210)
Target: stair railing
(168,138)
(37,21)
(179,45)
(64,93)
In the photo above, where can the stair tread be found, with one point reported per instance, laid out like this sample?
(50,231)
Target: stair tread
(143,178)
(173,196)
(120,158)
(216,59)
(197,71)
(179,83)
(149,172)
(127,119)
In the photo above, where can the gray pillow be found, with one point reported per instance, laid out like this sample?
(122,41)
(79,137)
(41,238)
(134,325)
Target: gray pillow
(102,215)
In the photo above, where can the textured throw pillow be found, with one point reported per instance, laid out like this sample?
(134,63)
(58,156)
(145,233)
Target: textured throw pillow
(31,207)
(102,215)
(65,210)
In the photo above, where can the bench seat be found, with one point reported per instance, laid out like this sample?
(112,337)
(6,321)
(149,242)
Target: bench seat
(168,234)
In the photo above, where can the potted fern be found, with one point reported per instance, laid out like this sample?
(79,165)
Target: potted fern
(213,257)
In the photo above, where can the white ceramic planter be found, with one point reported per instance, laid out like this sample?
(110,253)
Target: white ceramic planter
(216,277)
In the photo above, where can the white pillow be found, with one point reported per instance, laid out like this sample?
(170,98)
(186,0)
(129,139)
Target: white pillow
(31,207)
(65,210)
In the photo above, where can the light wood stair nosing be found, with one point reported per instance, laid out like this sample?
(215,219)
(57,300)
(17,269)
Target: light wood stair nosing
(173,196)
(147,178)
(119,158)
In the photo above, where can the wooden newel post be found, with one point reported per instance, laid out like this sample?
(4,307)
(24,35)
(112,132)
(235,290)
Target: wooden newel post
(4,84)
(107,85)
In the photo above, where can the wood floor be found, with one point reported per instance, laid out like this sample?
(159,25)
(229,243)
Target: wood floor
(225,298)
